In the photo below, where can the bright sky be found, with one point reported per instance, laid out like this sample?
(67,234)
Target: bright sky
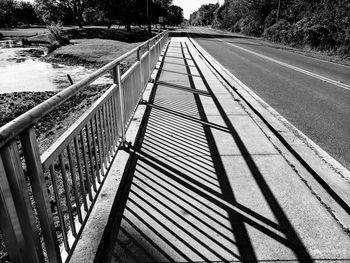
(189,6)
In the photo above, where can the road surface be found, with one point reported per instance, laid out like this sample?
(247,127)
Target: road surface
(314,95)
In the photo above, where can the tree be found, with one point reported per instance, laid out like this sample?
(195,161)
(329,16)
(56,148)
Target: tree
(66,11)
(25,13)
(160,8)
(175,15)
(7,13)
(14,12)
(321,24)
(204,16)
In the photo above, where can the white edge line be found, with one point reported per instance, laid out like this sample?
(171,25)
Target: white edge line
(331,81)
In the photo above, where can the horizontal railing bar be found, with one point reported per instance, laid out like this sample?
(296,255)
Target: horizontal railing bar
(55,149)
(16,126)
(176,86)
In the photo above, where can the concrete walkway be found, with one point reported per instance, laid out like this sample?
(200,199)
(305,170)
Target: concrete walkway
(205,184)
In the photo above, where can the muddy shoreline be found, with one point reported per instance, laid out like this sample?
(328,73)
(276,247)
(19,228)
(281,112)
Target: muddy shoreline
(51,126)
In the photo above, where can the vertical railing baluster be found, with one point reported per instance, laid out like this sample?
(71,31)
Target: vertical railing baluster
(108,121)
(94,145)
(100,150)
(115,116)
(80,172)
(106,132)
(88,140)
(111,120)
(59,208)
(87,183)
(36,176)
(67,195)
(103,136)
(74,182)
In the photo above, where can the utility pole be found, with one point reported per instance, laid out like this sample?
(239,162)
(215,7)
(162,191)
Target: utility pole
(149,17)
(278,11)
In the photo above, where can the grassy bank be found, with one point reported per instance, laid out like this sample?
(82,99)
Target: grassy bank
(90,46)
(50,127)
(91,53)
(94,47)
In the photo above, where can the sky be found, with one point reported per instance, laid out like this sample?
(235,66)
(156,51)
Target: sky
(189,6)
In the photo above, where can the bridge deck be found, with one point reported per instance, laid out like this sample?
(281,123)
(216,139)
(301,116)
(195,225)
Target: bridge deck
(204,183)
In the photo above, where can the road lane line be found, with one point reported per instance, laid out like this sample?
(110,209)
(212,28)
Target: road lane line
(325,79)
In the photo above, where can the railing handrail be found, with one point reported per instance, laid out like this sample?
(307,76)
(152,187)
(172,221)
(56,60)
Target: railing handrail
(18,125)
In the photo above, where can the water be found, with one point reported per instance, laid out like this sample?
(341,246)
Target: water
(22,70)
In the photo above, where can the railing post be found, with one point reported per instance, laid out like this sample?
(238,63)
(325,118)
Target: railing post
(117,78)
(141,75)
(32,251)
(149,58)
(159,45)
(36,176)
(9,221)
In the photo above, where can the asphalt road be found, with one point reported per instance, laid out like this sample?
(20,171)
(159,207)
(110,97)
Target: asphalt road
(314,95)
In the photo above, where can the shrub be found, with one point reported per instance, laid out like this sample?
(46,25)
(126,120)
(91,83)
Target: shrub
(248,27)
(322,36)
(57,35)
(279,32)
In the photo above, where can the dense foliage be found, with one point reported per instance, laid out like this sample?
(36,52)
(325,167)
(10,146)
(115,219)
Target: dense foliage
(204,16)
(106,12)
(14,13)
(318,24)
(83,12)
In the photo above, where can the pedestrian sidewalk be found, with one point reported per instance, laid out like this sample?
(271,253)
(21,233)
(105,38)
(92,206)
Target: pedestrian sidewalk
(204,183)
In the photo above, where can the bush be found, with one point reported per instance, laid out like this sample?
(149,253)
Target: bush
(279,32)
(248,27)
(57,35)
(315,35)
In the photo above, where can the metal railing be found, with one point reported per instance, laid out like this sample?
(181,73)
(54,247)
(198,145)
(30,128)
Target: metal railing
(45,200)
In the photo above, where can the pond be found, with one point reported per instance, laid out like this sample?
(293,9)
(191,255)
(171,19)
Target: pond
(21,69)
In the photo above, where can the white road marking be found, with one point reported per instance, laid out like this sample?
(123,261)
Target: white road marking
(325,79)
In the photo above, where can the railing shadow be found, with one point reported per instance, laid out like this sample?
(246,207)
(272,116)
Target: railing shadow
(176,202)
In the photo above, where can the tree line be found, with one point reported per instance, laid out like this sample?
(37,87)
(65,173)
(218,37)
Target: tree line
(13,13)
(82,12)
(319,24)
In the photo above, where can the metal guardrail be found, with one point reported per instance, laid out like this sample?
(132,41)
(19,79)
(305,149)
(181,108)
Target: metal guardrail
(45,200)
